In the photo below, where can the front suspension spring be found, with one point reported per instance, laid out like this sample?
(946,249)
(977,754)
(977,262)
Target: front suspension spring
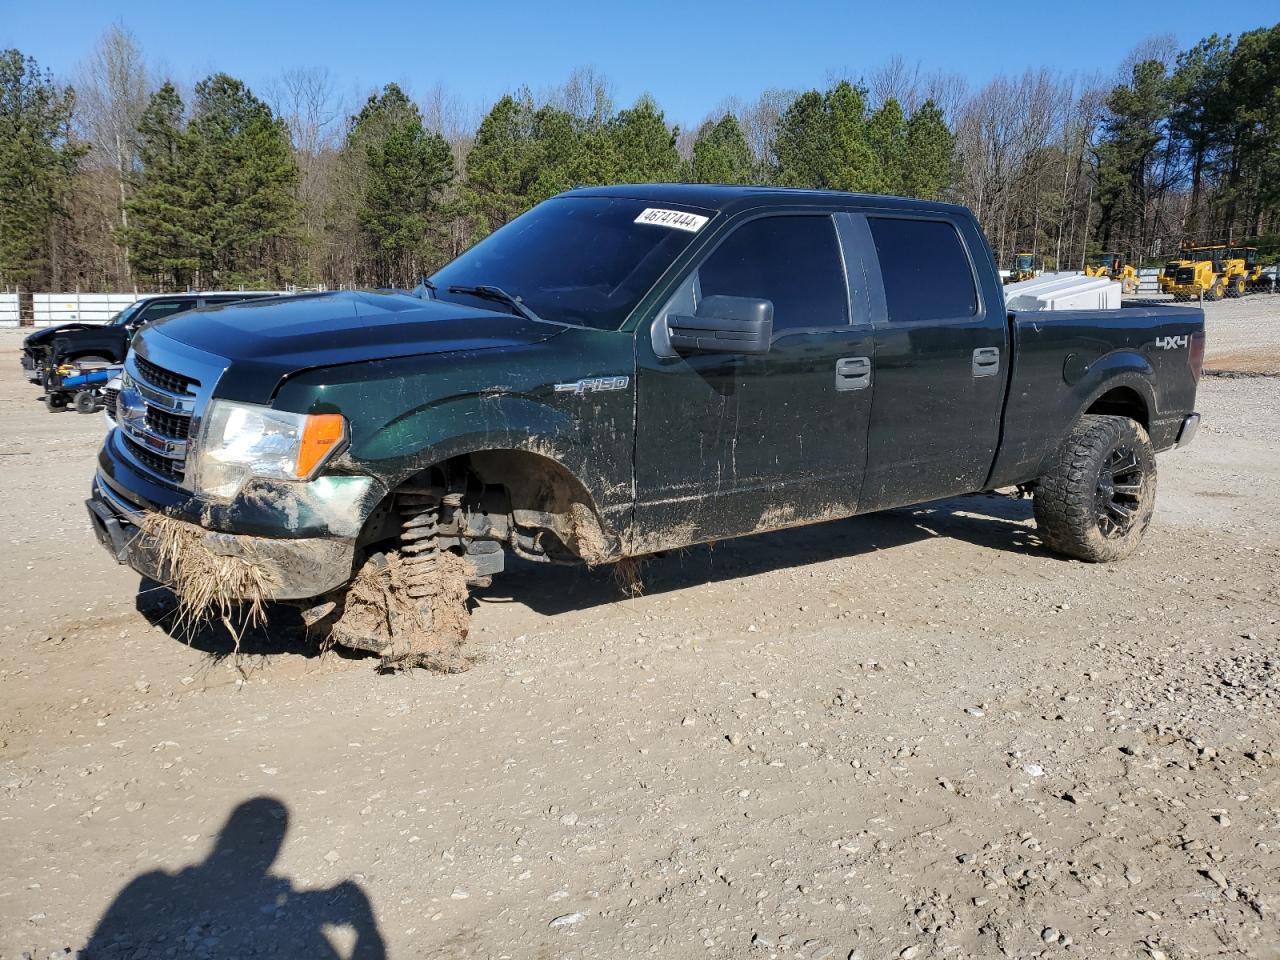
(420,517)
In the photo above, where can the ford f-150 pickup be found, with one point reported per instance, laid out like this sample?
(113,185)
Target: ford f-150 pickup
(618,372)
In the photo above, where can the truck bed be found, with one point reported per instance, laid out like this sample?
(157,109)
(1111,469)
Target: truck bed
(1064,362)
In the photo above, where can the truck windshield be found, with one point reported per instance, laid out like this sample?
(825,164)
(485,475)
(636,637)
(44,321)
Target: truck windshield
(585,261)
(122,318)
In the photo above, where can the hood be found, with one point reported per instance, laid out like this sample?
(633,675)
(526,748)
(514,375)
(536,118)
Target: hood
(47,334)
(267,341)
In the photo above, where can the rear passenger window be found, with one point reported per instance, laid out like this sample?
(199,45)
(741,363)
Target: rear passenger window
(792,261)
(925,270)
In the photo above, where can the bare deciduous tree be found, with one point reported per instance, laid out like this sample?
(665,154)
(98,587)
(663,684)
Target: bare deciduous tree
(112,93)
(587,95)
(306,98)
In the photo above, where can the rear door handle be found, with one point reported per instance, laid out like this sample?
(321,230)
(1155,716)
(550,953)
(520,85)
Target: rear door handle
(986,361)
(853,373)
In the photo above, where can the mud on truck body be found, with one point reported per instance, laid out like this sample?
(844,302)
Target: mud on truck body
(618,372)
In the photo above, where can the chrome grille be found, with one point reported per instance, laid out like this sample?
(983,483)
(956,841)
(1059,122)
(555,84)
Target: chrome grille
(164,379)
(176,426)
(166,386)
(109,396)
(171,469)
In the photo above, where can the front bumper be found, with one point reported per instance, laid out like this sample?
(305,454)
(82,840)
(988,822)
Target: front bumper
(29,368)
(297,569)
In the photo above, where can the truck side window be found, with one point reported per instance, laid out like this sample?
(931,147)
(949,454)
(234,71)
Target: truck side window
(792,261)
(925,270)
(158,310)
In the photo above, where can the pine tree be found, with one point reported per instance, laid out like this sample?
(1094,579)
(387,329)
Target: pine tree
(641,147)
(404,170)
(1201,111)
(556,153)
(930,154)
(802,143)
(498,163)
(38,160)
(1132,133)
(887,134)
(853,164)
(1253,169)
(244,179)
(721,154)
(162,232)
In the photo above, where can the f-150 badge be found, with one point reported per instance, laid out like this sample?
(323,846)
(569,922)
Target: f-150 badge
(594,385)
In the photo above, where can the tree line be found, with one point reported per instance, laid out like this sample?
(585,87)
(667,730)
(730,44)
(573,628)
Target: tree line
(116,179)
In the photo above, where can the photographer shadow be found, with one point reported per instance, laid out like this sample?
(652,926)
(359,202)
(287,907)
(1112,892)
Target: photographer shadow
(232,905)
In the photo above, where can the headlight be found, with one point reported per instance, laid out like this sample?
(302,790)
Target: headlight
(243,440)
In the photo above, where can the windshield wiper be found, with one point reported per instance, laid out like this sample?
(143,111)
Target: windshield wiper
(486,292)
(425,290)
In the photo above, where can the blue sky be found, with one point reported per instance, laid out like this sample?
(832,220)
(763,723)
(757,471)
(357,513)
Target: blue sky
(690,55)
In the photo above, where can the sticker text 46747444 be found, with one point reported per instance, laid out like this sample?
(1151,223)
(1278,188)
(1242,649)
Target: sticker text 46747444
(675,219)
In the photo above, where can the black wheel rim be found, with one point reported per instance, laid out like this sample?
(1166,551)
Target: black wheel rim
(1118,500)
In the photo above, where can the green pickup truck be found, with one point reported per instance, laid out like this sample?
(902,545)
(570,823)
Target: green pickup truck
(617,372)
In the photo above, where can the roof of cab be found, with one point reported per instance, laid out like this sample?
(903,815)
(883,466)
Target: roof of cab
(731,199)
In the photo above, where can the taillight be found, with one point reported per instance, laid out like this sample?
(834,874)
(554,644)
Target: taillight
(1195,355)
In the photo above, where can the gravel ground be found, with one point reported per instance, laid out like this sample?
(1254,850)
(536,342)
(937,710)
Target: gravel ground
(914,734)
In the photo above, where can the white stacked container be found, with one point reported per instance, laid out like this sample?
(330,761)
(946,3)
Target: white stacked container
(1063,291)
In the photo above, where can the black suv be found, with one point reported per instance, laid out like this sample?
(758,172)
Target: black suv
(109,341)
(96,344)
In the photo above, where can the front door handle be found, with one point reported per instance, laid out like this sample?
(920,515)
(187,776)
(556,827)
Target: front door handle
(986,361)
(853,373)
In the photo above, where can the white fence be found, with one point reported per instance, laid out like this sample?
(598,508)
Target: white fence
(1149,280)
(9,310)
(53,308)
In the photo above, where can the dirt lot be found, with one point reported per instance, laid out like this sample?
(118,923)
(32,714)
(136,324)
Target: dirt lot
(909,735)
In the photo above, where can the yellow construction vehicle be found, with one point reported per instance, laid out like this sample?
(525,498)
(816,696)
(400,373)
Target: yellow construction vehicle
(1024,268)
(1250,270)
(1199,273)
(1117,267)
(1231,264)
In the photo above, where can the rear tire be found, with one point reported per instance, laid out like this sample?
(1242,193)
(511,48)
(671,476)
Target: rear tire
(1096,500)
(86,402)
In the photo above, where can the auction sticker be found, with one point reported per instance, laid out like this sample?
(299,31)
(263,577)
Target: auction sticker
(676,219)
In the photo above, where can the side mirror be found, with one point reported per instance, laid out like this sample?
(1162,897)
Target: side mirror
(723,324)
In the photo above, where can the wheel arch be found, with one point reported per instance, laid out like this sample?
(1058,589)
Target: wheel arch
(542,489)
(1120,384)
(1121,400)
